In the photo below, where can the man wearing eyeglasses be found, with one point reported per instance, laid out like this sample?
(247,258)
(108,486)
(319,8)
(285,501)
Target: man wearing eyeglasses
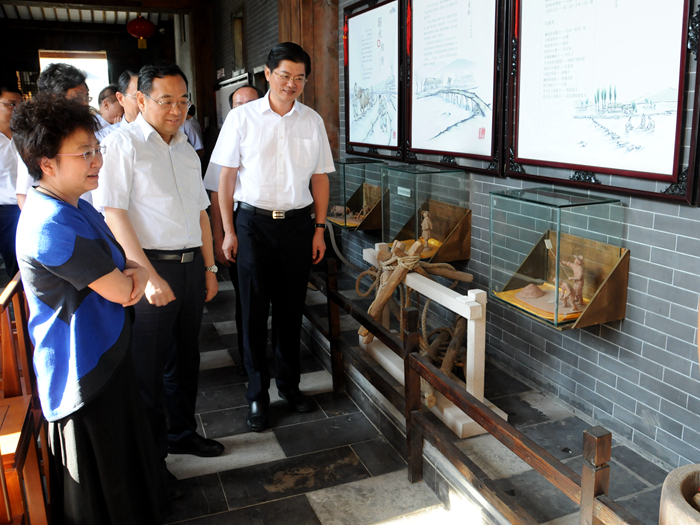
(155,204)
(126,96)
(10,97)
(275,155)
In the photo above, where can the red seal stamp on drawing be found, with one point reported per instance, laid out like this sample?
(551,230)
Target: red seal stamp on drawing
(482,133)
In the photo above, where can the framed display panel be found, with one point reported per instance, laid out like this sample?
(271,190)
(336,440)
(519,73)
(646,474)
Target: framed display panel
(454,83)
(373,98)
(556,256)
(582,113)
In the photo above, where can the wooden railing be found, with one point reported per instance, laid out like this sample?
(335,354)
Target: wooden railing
(588,490)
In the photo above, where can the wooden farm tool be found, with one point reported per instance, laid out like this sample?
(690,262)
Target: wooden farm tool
(455,346)
(386,289)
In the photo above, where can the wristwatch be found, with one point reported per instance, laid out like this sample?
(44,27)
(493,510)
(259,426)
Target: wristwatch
(321,225)
(213,268)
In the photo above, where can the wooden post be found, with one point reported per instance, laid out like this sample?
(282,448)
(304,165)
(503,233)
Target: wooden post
(334,327)
(412,395)
(595,480)
(476,347)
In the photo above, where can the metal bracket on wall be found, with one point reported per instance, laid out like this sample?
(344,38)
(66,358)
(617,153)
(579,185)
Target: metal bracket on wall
(373,150)
(447,159)
(349,148)
(494,163)
(679,188)
(411,156)
(584,176)
(514,166)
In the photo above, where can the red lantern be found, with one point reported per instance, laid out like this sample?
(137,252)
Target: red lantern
(141,28)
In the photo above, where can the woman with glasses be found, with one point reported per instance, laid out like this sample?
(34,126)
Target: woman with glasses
(80,288)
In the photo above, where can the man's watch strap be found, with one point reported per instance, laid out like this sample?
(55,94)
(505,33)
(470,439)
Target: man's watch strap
(321,225)
(213,268)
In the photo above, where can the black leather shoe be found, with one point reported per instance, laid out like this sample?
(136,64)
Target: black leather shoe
(197,446)
(257,416)
(298,401)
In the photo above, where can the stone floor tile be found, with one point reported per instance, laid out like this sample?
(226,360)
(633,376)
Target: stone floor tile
(220,397)
(215,359)
(336,404)
(537,496)
(571,519)
(291,511)
(203,495)
(242,450)
(226,327)
(492,456)
(315,297)
(290,477)
(644,505)
(217,342)
(554,411)
(370,501)
(563,439)
(325,434)
(216,377)
(520,412)
(642,467)
(379,457)
(225,286)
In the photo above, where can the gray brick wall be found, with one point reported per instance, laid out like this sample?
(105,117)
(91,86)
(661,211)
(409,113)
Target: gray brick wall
(638,377)
(260,26)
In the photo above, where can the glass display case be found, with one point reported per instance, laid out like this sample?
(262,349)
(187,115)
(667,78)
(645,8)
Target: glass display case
(355,194)
(429,205)
(557,256)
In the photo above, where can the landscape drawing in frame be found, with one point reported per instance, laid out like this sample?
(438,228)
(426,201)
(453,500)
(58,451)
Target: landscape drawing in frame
(600,85)
(372,110)
(452,85)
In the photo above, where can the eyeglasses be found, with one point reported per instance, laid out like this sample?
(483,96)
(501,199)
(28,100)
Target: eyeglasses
(89,154)
(184,105)
(9,104)
(286,78)
(82,98)
(133,96)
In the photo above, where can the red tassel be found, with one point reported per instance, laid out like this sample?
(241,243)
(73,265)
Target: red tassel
(517,14)
(345,42)
(408,30)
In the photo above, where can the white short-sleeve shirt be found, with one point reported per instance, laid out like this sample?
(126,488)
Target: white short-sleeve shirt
(275,155)
(159,184)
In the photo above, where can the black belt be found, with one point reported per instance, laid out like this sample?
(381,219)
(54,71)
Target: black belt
(182,256)
(277,214)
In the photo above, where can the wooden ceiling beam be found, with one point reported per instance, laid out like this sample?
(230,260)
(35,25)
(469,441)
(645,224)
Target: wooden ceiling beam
(152,6)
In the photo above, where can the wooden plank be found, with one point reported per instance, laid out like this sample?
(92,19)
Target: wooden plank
(611,513)
(472,473)
(561,476)
(17,412)
(11,385)
(610,301)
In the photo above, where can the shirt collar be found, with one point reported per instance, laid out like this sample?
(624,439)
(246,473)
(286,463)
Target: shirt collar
(148,130)
(265,105)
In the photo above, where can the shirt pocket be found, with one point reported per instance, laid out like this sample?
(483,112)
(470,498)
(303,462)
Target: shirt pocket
(305,153)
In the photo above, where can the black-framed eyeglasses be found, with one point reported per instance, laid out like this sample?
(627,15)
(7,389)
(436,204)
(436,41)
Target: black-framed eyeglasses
(184,105)
(89,154)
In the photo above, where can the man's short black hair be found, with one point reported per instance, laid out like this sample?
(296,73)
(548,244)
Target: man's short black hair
(192,110)
(58,78)
(109,91)
(159,70)
(40,125)
(8,84)
(125,80)
(230,97)
(288,51)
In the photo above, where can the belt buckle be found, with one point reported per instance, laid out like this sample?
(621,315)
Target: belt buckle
(278,214)
(187,257)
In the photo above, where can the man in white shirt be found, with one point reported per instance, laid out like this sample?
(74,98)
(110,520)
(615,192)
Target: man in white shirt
(10,97)
(193,130)
(126,96)
(61,80)
(239,97)
(110,111)
(275,154)
(155,204)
